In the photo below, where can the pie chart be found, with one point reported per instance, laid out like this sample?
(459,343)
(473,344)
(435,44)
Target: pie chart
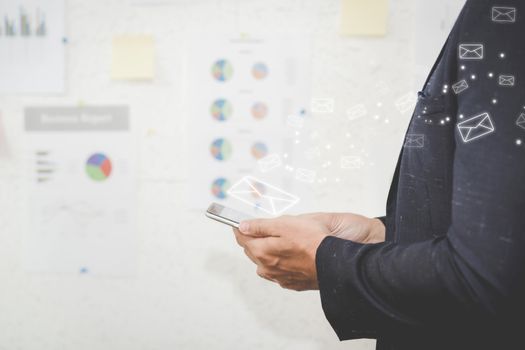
(222,70)
(259,71)
(219,188)
(221,110)
(98,167)
(259,110)
(221,149)
(259,150)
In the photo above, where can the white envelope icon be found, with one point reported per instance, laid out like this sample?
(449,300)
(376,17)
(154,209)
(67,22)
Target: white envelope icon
(356,112)
(269,162)
(471,51)
(460,86)
(351,162)
(406,103)
(322,105)
(507,80)
(476,127)
(504,14)
(305,175)
(263,196)
(295,121)
(414,141)
(521,121)
(312,153)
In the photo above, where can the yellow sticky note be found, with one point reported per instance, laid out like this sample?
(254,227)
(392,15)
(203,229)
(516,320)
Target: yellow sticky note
(133,57)
(364,17)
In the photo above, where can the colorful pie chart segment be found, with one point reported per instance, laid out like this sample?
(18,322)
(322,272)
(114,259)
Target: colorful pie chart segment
(219,188)
(222,70)
(98,167)
(221,149)
(259,150)
(260,71)
(221,110)
(259,110)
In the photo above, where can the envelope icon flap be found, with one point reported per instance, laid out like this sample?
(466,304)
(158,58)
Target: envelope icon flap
(264,196)
(471,51)
(500,13)
(482,120)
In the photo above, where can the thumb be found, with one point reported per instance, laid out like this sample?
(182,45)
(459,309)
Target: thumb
(257,227)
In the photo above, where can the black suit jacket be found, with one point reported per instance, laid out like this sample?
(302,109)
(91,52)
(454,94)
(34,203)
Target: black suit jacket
(451,273)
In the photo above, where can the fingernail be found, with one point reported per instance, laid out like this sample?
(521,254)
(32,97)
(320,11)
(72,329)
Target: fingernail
(244,227)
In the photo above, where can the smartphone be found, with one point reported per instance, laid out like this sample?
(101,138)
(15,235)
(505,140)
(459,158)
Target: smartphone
(226,215)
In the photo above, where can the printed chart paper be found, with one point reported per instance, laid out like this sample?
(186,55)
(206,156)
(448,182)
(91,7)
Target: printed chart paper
(242,92)
(32,46)
(81,190)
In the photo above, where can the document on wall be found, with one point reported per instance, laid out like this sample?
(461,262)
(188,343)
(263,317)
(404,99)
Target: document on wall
(4,148)
(80,190)
(32,47)
(243,93)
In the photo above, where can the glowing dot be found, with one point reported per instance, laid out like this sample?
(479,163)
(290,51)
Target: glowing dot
(447,119)
(445,91)
(494,101)
(297,133)
(297,141)
(285,155)
(445,86)
(328,146)
(473,77)
(502,55)
(463,67)
(387,121)
(379,104)
(461,116)
(518,142)
(442,122)
(491,75)
(430,121)
(338,180)
(376,117)
(420,116)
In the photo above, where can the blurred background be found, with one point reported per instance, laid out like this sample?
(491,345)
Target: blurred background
(121,120)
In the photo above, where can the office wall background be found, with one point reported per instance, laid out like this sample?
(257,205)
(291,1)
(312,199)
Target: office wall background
(194,288)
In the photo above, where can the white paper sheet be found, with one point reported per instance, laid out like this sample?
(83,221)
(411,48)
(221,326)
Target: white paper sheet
(81,191)
(4,148)
(32,49)
(242,91)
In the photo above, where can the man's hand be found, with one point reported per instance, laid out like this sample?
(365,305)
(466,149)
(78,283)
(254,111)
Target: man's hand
(353,227)
(284,249)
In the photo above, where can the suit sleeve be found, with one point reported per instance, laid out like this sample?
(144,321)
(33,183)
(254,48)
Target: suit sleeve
(475,274)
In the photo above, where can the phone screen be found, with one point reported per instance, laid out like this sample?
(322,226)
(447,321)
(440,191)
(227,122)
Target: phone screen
(226,215)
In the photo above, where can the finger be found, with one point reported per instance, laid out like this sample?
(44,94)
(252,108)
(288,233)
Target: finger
(259,227)
(240,238)
(251,257)
(293,285)
(256,249)
(263,274)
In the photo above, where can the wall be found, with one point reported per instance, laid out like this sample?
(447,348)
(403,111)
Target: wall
(194,288)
